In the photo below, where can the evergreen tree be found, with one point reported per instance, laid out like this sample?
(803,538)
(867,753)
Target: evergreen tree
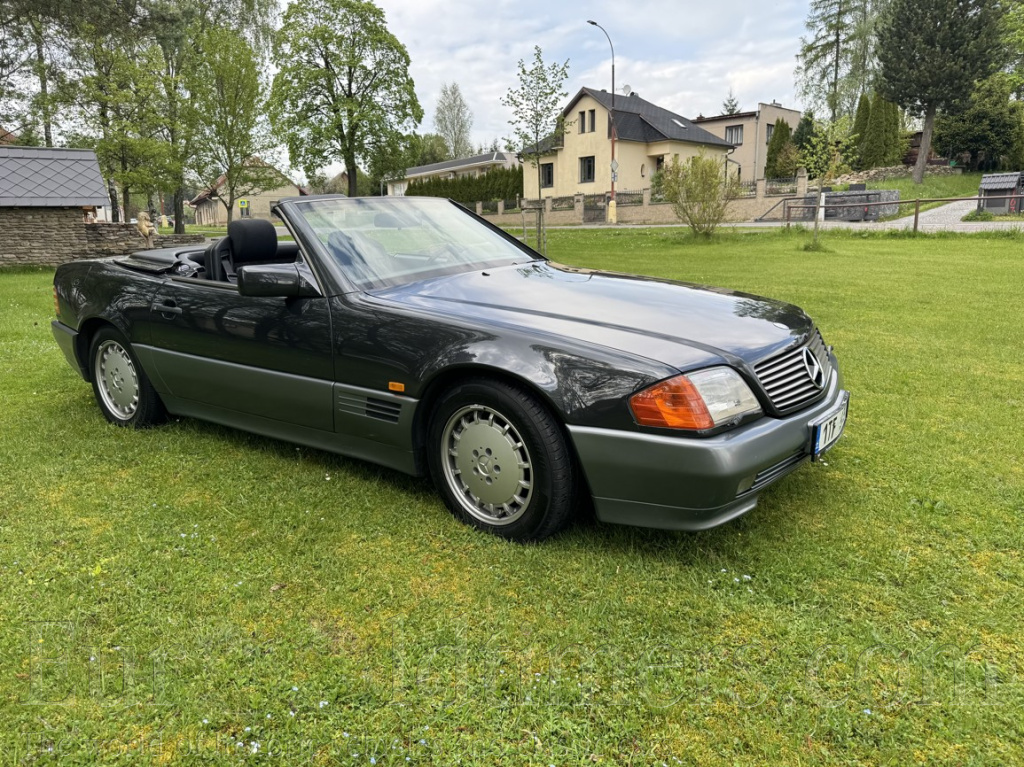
(932,53)
(730,106)
(873,143)
(781,136)
(837,58)
(804,131)
(895,143)
(860,122)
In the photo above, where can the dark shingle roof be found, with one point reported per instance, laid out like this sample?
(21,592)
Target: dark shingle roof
(51,178)
(1000,181)
(640,120)
(489,158)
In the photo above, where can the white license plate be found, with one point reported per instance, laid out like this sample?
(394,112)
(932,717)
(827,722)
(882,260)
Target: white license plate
(826,430)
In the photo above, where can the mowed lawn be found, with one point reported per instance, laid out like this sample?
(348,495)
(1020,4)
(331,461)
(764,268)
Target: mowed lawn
(194,595)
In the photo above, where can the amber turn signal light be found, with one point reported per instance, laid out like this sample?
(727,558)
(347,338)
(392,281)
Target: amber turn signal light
(56,304)
(674,403)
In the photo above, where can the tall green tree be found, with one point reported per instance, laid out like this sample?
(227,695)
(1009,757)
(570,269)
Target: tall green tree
(874,144)
(176,26)
(932,53)
(836,59)
(537,123)
(453,121)
(860,121)
(782,136)
(343,89)
(896,143)
(989,129)
(804,131)
(232,136)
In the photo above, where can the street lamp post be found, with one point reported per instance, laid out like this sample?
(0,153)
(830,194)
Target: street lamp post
(612,213)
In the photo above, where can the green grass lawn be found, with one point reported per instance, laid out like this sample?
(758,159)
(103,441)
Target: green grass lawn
(194,595)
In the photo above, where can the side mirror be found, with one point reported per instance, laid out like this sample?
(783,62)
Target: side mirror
(274,281)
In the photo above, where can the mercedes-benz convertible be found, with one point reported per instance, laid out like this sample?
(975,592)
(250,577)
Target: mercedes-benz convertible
(411,333)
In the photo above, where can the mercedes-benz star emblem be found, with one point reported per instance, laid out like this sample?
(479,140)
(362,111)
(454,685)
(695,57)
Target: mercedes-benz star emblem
(814,369)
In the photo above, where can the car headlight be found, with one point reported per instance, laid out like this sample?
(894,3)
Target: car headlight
(699,401)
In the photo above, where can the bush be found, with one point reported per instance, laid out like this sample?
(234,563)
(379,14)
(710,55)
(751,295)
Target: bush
(700,192)
(496,184)
(978,214)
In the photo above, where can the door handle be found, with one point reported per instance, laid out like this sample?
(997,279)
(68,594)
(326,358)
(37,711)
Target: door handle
(168,307)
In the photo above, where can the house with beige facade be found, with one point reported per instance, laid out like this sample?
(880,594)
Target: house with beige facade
(210,211)
(750,133)
(466,166)
(647,138)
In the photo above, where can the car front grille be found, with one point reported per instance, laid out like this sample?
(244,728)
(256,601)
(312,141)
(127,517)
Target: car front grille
(787,378)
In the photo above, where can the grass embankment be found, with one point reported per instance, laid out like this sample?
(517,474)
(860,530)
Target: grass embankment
(190,594)
(933,187)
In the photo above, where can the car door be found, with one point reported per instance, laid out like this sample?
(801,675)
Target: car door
(265,357)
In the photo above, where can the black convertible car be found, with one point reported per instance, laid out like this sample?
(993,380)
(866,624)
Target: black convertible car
(411,333)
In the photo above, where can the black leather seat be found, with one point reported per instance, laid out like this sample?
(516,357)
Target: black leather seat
(249,240)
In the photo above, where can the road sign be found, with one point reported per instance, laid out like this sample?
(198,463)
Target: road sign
(615,166)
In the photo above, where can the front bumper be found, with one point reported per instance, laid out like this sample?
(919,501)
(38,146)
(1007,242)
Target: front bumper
(676,483)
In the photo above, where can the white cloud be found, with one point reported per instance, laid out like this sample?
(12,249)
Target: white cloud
(684,56)
(681,54)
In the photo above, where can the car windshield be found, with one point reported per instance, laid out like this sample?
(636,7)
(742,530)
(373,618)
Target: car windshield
(386,242)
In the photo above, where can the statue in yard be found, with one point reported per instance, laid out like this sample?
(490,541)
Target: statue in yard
(146,228)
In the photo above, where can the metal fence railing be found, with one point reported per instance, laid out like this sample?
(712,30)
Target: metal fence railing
(774,187)
(489,206)
(626,197)
(512,206)
(746,189)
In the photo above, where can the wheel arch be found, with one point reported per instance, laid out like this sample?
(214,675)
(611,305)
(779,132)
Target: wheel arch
(86,332)
(449,378)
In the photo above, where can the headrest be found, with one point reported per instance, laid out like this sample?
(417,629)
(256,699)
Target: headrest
(252,239)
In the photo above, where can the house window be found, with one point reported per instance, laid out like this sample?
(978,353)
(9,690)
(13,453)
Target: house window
(547,174)
(593,121)
(734,134)
(587,170)
(583,122)
(768,133)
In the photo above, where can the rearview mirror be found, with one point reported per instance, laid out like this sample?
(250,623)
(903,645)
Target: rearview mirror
(274,280)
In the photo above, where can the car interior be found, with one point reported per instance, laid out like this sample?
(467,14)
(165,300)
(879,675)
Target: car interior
(249,241)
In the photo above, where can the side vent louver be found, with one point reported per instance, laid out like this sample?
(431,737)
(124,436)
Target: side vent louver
(382,409)
(371,407)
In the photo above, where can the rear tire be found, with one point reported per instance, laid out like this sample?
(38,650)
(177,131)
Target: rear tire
(500,461)
(123,391)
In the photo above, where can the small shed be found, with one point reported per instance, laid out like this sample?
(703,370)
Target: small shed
(999,185)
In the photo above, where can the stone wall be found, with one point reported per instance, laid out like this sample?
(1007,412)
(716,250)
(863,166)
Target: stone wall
(53,236)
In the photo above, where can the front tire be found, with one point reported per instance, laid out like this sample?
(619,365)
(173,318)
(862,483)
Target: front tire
(123,391)
(500,461)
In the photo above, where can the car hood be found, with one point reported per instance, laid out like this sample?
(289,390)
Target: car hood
(679,324)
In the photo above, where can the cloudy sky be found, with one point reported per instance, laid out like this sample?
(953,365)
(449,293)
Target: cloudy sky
(684,55)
